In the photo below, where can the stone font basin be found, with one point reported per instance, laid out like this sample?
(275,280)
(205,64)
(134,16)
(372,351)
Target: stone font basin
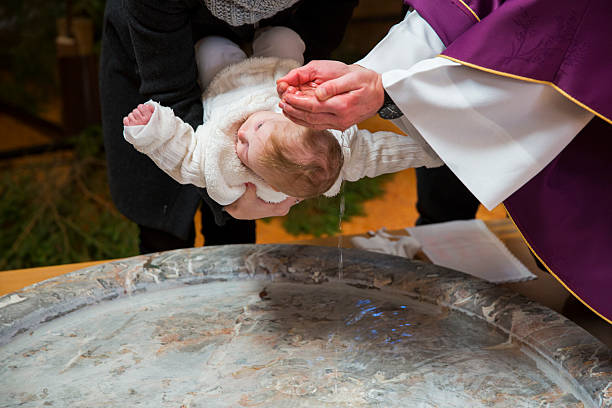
(274,326)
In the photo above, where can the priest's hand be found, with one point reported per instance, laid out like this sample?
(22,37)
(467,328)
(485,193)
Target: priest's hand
(251,207)
(330,94)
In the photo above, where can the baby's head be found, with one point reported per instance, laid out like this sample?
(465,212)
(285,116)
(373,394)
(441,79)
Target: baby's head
(299,161)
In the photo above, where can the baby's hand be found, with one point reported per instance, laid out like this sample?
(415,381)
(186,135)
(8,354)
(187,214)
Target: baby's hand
(139,116)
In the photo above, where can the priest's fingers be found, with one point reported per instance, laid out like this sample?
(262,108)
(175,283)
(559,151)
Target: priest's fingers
(317,71)
(314,120)
(296,77)
(310,125)
(309,103)
(346,83)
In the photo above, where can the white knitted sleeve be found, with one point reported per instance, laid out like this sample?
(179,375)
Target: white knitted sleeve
(372,154)
(171,144)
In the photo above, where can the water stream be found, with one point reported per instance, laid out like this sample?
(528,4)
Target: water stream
(340,265)
(340,215)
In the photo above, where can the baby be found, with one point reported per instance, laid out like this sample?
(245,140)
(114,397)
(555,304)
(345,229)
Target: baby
(292,159)
(245,138)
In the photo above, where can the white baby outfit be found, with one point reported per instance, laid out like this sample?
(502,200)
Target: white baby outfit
(207,157)
(236,87)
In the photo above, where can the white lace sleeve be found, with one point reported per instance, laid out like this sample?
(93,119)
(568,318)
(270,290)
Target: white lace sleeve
(171,144)
(372,154)
(368,154)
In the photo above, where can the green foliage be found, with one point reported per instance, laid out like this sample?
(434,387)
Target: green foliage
(59,211)
(320,216)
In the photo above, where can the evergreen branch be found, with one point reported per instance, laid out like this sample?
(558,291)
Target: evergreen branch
(94,197)
(105,252)
(26,231)
(62,227)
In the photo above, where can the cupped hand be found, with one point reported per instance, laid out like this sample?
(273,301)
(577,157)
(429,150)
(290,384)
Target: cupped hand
(330,94)
(315,72)
(251,207)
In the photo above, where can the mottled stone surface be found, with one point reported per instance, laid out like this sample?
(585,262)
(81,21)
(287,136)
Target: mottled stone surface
(273,326)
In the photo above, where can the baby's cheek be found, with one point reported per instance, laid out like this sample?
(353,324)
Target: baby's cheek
(239,152)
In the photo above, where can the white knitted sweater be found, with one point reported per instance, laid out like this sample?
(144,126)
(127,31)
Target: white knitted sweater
(207,157)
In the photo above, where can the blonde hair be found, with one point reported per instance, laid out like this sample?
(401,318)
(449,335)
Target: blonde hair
(305,162)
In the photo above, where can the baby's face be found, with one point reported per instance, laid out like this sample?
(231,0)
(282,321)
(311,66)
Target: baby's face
(252,137)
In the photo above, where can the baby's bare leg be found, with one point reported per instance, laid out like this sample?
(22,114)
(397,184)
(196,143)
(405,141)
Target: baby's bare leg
(213,54)
(281,42)
(139,116)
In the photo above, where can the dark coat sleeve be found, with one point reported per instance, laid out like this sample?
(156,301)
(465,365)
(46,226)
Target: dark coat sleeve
(161,36)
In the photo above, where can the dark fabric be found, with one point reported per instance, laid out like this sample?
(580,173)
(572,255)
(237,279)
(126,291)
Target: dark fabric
(232,232)
(220,217)
(153,240)
(442,197)
(147,53)
(141,191)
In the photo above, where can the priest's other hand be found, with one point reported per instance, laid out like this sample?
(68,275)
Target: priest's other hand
(251,207)
(330,94)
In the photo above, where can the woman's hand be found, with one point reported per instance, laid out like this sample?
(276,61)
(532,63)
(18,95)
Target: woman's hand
(330,94)
(251,207)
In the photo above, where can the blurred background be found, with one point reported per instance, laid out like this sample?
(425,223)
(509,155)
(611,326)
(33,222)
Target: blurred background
(55,206)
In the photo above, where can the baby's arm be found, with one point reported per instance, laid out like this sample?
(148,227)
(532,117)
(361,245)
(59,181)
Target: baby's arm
(372,154)
(171,143)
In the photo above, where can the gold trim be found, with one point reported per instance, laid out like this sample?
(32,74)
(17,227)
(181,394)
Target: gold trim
(471,11)
(537,81)
(551,272)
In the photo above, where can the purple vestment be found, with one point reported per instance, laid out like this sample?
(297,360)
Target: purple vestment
(565,211)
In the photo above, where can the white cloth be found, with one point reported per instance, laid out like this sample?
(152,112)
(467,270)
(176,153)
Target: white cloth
(383,242)
(470,247)
(207,157)
(495,133)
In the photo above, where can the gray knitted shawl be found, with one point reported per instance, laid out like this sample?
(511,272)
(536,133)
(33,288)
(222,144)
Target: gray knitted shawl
(239,12)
